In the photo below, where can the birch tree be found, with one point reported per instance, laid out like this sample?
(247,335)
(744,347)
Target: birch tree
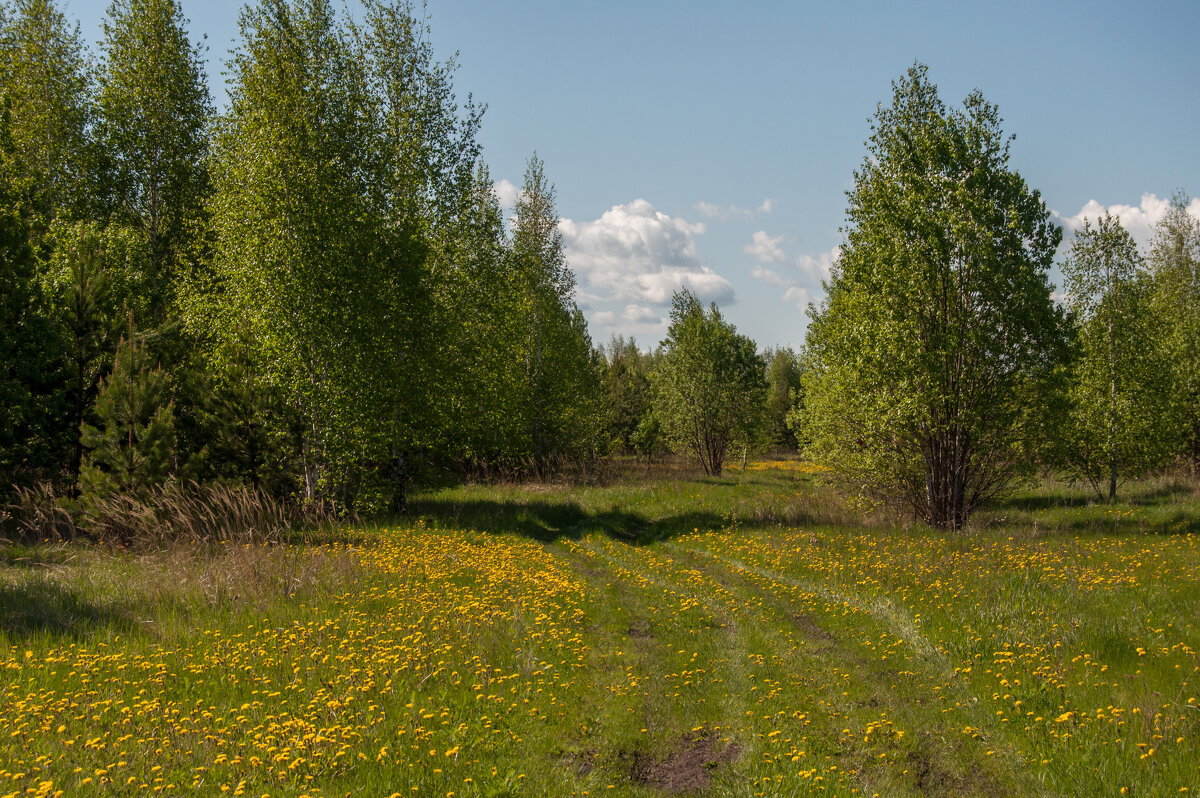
(1121,421)
(924,362)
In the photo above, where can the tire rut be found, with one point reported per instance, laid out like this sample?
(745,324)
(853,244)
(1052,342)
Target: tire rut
(930,748)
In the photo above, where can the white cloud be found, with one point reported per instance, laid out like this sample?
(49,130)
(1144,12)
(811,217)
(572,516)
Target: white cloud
(641,314)
(765,248)
(507,193)
(636,254)
(821,266)
(1139,220)
(798,296)
(723,214)
(769,277)
(733,212)
(801,276)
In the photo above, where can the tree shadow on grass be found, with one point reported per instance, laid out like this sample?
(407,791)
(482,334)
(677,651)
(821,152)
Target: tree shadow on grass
(547,521)
(1177,523)
(1083,495)
(1042,502)
(41,607)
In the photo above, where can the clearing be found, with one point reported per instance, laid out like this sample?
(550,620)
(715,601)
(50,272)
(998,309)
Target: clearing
(732,636)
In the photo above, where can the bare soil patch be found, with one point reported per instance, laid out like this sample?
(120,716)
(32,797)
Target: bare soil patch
(689,768)
(810,628)
(640,629)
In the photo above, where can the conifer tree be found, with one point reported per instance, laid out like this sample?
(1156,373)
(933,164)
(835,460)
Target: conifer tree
(129,448)
(29,355)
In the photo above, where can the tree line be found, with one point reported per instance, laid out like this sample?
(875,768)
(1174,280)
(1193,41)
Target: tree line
(314,292)
(939,371)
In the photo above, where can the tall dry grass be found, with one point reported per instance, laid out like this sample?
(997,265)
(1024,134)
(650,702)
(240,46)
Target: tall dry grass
(172,512)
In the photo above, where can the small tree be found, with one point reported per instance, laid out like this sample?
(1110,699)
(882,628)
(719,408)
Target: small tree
(710,389)
(1121,419)
(783,385)
(129,450)
(1174,262)
(627,392)
(924,364)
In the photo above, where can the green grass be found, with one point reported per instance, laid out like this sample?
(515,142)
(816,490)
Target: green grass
(735,636)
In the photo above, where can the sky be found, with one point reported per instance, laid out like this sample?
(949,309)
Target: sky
(710,144)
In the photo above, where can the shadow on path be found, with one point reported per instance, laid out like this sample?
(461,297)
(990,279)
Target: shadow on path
(547,521)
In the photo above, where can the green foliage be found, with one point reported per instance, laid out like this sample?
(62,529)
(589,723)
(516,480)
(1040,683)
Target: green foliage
(561,368)
(627,392)
(129,449)
(926,361)
(783,395)
(153,109)
(709,388)
(1121,420)
(231,427)
(479,394)
(1174,262)
(29,347)
(649,440)
(44,72)
(307,189)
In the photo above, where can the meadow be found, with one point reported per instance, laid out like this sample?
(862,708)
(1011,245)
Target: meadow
(743,635)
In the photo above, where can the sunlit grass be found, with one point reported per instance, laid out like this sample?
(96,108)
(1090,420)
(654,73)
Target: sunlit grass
(732,635)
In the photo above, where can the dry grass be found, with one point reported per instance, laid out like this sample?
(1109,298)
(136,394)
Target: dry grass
(175,511)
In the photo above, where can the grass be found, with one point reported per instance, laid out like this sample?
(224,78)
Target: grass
(734,636)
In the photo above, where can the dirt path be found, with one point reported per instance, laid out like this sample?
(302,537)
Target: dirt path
(741,672)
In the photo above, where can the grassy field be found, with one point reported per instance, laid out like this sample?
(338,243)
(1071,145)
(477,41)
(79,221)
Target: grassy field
(733,636)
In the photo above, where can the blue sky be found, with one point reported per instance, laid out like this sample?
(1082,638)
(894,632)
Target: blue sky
(711,144)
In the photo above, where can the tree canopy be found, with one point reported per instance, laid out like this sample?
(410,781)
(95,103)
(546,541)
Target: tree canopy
(924,360)
(710,385)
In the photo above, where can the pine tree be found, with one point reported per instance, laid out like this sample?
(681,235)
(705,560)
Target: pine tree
(129,449)
(30,439)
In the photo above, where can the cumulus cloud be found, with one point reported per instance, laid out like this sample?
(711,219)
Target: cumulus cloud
(800,277)
(507,193)
(639,255)
(640,314)
(765,248)
(732,212)
(769,277)
(1139,220)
